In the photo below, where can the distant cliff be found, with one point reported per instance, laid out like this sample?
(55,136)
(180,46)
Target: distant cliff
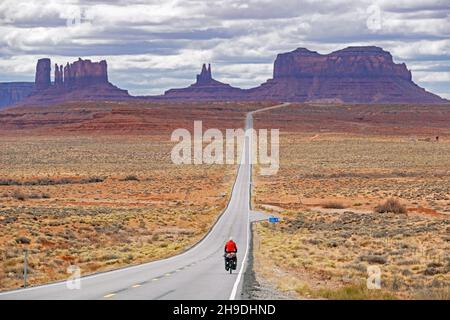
(351,75)
(354,75)
(81,73)
(77,81)
(13,92)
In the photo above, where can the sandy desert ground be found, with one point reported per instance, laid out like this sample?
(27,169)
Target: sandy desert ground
(93,185)
(338,164)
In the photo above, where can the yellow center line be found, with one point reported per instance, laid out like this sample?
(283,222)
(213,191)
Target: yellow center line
(109,295)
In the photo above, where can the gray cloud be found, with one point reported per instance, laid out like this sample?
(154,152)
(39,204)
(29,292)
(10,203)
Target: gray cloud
(153,45)
(416,6)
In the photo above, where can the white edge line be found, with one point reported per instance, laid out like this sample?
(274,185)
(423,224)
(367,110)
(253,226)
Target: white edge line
(238,280)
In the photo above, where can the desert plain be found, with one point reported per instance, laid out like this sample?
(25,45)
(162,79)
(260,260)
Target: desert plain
(339,165)
(92,185)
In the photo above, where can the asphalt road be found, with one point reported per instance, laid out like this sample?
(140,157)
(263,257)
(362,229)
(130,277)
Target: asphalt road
(195,274)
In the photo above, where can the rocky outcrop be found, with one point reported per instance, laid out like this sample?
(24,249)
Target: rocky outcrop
(205,88)
(351,75)
(80,80)
(354,75)
(80,74)
(205,77)
(13,92)
(353,61)
(59,79)
(42,78)
(83,73)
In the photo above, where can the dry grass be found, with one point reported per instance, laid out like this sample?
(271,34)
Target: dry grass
(326,255)
(106,223)
(366,174)
(329,161)
(333,205)
(83,188)
(353,292)
(131,177)
(391,205)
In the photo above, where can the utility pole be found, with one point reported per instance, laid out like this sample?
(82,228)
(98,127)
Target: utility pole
(25,268)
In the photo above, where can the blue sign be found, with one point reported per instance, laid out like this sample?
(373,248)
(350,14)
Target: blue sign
(273,219)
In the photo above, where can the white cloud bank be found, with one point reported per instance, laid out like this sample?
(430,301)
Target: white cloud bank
(155,45)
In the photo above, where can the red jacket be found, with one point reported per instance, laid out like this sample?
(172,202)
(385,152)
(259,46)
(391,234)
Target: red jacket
(230,246)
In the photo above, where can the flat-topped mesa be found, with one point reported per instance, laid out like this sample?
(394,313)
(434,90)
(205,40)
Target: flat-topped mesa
(13,92)
(349,62)
(364,74)
(42,78)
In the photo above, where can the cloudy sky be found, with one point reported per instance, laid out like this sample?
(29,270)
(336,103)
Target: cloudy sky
(154,45)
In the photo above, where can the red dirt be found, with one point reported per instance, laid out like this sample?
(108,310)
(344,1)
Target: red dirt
(137,117)
(425,212)
(409,120)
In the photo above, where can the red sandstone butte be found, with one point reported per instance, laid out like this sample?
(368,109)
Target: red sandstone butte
(77,81)
(364,74)
(352,75)
(42,78)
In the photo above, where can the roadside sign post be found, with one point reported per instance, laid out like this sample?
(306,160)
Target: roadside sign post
(273,219)
(25,268)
